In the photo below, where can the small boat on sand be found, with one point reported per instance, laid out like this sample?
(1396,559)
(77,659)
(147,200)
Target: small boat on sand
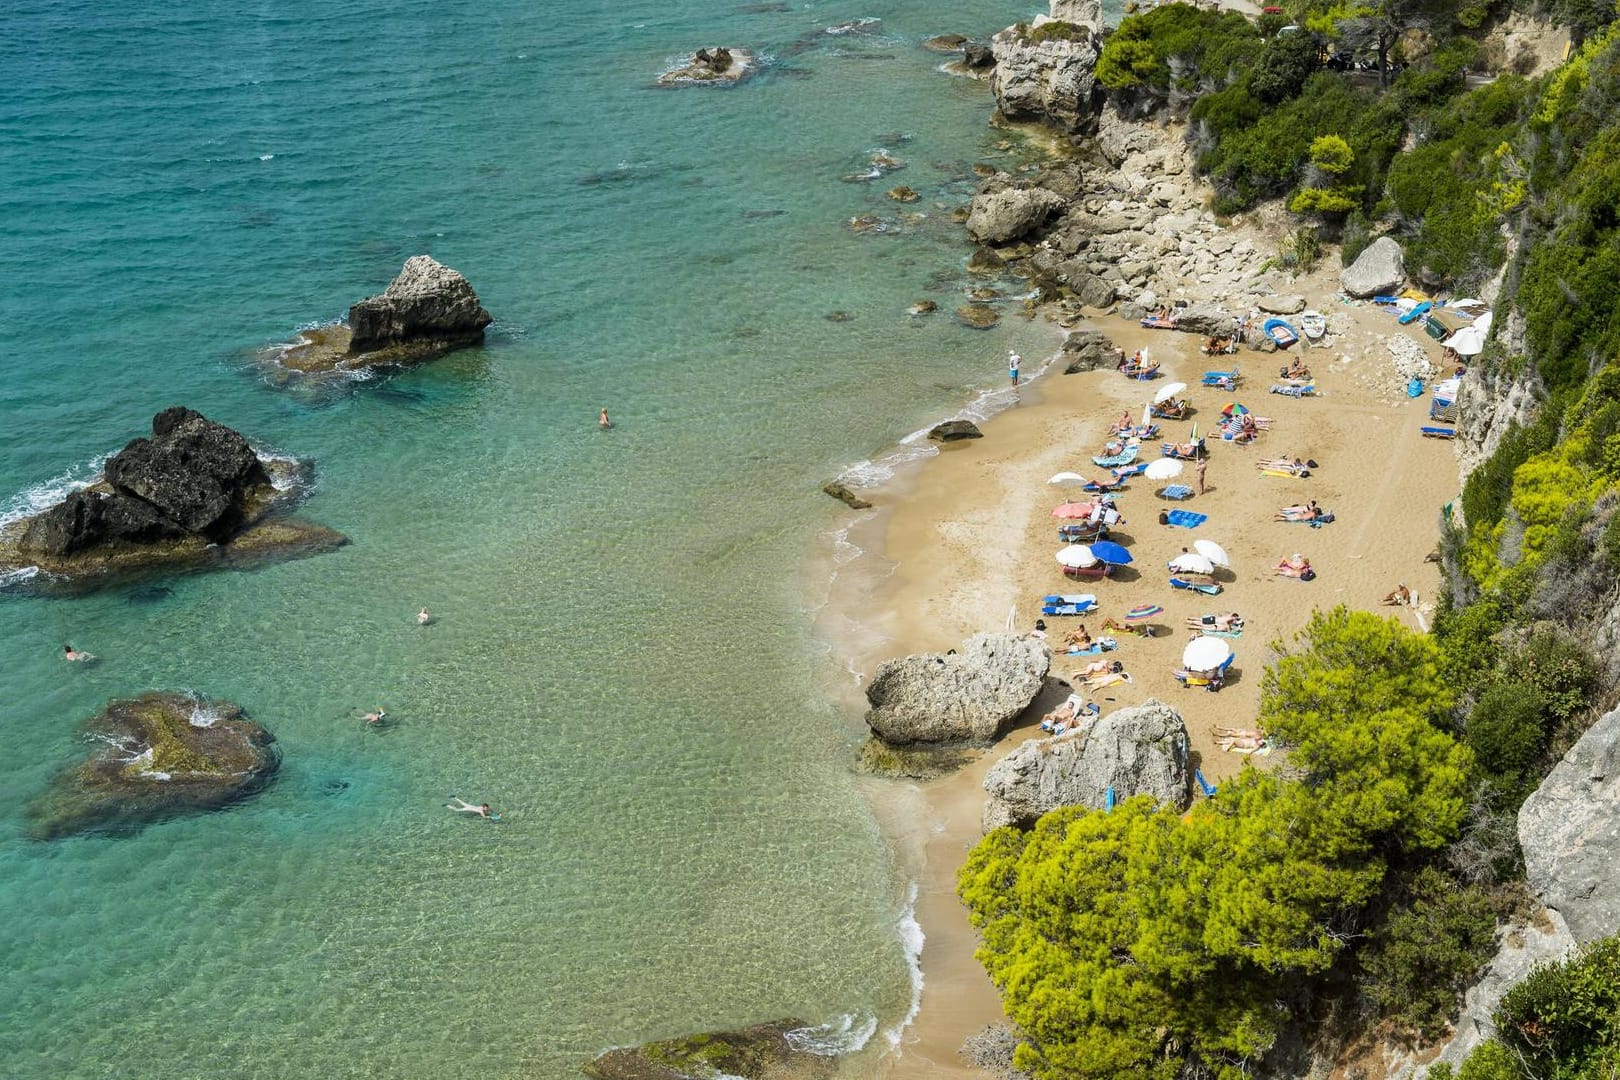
(1313,325)
(1281,332)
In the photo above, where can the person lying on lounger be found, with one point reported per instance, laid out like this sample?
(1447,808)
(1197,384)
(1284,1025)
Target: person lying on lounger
(1187,449)
(1238,739)
(1108,485)
(1066,716)
(1174,409)
(1224,623)
(1296,566)
(1308,512)
(1400,597)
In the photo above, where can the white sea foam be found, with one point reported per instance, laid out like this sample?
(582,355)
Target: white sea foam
(844,550)
(43,496)
(267,157)
(204,715)
(845,1035)
(911,941)
(18,576)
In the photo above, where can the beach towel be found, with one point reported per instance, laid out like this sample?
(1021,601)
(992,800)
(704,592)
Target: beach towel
(1125,457)
(1223,379)
(1263,750)
(1294,391)
(1096,648)
(1186,519)
(1107,678)
(1205,786)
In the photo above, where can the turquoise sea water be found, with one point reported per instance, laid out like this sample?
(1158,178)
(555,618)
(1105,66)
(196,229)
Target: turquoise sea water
(622,663)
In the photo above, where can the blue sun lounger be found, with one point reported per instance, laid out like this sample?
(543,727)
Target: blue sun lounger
(1176,491)
(1439,433)
(1308,390)
(1096,648)
(1186,519)
(1068,604)
(1130,470)
(1127,457)
(1223,380)
(1212,589)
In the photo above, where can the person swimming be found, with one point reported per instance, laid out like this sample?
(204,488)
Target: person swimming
(423,618)
(603,420)
(77,655)
(374,717)
(461,806)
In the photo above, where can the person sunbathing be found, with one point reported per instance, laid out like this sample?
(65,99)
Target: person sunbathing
(1296,566)
(1400,597)
(1123,424)
(1307,512)
(1174,409)
(1223,623)
(1067,716)
(1187,449)
(1112,626)
(1108,485)
(1239,739)
(1296,369)
(1077,636)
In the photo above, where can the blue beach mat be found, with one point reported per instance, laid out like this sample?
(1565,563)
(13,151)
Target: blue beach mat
(1187,519)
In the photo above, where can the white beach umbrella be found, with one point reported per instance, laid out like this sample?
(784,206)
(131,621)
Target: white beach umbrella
(1483,324)
(1212,551)
(1168,391)
(1191,562)
(1067,478)
(1468,341)
(1076,555)
(1205,654)
(1163,469)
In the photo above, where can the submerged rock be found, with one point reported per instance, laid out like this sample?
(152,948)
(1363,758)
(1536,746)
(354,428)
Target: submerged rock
(954,431)
(967,696)
(1135,751)
(999,216)
(426,312)
(780,1050)
(156,755)
(945,43)
(709,67)
(193,494)
(842,493)
(978,316)
(1378,270)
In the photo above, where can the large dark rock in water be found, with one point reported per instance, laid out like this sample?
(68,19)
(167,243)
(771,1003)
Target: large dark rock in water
(155,756)
(427,304)
(193,493)
(958,697)
(781,1050)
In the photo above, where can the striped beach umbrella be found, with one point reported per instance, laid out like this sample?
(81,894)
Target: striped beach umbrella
(1143,611)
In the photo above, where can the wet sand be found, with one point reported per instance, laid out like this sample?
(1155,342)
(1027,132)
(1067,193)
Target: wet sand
(967,537)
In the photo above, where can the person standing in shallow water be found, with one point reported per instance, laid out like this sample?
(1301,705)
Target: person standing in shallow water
(604,421)
(1013,360)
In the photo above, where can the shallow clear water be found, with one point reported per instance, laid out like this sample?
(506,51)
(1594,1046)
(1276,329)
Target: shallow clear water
(622,661)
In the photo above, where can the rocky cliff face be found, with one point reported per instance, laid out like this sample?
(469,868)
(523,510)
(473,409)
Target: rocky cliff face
(1049,75)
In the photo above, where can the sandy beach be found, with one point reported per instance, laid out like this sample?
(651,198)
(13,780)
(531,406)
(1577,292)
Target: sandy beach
(969,537)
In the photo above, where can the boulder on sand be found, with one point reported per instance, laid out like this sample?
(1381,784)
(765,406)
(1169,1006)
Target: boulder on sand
(1206,319)
(1135,751)
(954,431)
(156,755)
(1088,349)
(1281,305)
(966,696)
(1377,271)
(999,216)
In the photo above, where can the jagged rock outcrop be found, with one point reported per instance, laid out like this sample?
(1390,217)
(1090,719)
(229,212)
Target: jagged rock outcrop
(1379,270)
(954,430)
(780,1050)
(1009,213)
(1048,75)
(708,66)
(1079,12)
(1087,349)
(1135,751)
(843,494)
(191,494)
(157,755)
(428,303)
(1570,834)
(967,696)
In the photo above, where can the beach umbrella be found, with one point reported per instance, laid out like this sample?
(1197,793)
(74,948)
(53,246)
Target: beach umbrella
(1067,478)
(1190,562)
(1206,654)
(1163,469)
(1073,510)
(1143,611)
(1108,551)
(1235,408)
(1077,555)
(1467,342)
(1212,551)
(1483,324)
(1168,391)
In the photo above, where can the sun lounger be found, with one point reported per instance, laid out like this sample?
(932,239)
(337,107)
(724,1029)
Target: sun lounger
(1068,604)
(1186,519)
(1439,433)
(1143,374)
(1224,380)
(1182,451)
(1308,390)
(1124,457)
(1153,322)
(1207,628)
(1130,470)
(1176,491)
(1205,786)
(1097,489)
(1169,410)
(1211,589)
(1082,532)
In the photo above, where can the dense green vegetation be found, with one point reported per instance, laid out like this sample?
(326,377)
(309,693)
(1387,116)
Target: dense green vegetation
(1561,1023)
(1137,942)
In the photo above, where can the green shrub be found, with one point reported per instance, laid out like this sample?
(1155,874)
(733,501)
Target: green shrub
(1428,952)
(1058,30)
(1208,48)
(1565,1017)
(1507,731)
(1562,670)
(1489,487)
(1283,66)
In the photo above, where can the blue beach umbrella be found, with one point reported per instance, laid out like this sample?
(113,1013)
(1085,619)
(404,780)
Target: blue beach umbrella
(1110,552)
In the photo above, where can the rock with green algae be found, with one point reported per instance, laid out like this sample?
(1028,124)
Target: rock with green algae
(155,756)
(762,1052)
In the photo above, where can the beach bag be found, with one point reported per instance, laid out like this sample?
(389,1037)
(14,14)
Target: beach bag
(1309,575)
